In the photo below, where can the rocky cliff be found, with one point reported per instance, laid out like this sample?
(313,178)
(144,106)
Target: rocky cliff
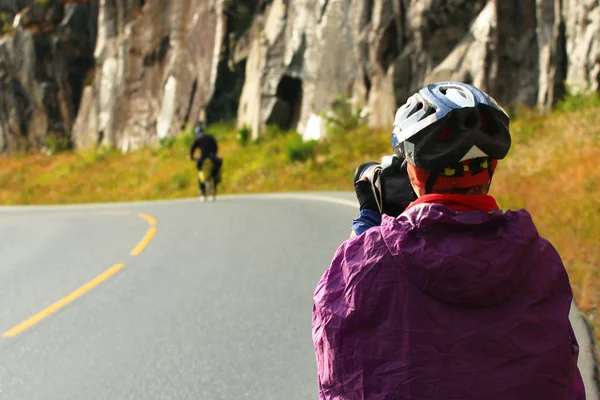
(46,53)
(156,67)
(161,63)
(304,53)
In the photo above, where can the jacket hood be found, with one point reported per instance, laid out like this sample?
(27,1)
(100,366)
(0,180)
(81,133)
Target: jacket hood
(472,258)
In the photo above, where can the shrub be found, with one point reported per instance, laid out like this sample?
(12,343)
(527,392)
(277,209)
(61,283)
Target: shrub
(243,134)
(273,131)
(166,143)
(6,22)
(57,143)
(297,149)
(342,117)
(186,139)
(222,130)
(577,101)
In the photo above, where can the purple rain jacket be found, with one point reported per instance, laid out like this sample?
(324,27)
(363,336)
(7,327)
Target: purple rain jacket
(439,304)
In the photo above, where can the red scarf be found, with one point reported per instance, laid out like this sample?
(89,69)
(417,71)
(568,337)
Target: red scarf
(459,202)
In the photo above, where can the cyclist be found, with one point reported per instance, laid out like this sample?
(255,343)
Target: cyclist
(453,299)
(208,150)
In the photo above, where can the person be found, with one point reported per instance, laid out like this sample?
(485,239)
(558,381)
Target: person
(454,298)
(209,148)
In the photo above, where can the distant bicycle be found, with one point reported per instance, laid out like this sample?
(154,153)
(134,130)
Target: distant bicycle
(208,180)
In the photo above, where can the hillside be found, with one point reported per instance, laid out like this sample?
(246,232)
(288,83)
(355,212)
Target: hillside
(552,171)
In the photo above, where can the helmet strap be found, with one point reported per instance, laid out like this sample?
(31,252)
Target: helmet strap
(431,182)
(491,172)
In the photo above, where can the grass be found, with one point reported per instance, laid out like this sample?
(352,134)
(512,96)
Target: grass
(552,171)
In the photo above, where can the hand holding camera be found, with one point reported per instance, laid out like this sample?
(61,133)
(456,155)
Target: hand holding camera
(384,187)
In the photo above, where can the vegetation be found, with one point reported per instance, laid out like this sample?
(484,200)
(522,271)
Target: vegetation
(57,143)
(552,170)
(244,134)
(5,22)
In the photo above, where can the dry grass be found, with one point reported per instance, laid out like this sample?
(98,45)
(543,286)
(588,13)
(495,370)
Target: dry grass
(165,171)
(552,171)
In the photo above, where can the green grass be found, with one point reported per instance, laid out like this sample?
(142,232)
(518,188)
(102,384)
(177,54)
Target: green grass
(552,170)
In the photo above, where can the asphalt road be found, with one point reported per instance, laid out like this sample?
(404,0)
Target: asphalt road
(167,300)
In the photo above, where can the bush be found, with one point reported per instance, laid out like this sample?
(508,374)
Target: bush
(578,101)
(186,139)
(342,117)
(6,22)
(222,130)
(273,131)
(57,143)
(243,134)
(166,143)
(297,149)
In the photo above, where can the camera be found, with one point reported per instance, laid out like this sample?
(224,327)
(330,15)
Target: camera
(396,191)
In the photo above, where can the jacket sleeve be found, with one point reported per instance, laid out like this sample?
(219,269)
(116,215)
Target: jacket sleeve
(366,220)
(329,312)
(343,309)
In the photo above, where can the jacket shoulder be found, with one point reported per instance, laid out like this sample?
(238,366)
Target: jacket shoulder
(354,264)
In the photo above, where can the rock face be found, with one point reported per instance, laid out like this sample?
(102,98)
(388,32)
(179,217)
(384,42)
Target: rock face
(156,66)
(12,7)
(305,53)
(159,64)
(44,60)
(581,19)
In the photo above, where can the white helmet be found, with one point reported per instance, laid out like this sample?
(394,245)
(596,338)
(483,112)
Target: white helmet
(446,123)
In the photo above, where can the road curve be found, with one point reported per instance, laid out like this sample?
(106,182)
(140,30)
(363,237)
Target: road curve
(168,300)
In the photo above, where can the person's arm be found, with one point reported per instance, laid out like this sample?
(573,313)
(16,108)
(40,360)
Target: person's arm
(345,311)
(369,215)
(329,311)
(365,221)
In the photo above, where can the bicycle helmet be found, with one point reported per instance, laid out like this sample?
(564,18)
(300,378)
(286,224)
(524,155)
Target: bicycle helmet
(451,134)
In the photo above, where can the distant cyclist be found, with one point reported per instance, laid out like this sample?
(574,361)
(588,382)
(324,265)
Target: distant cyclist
(208,149)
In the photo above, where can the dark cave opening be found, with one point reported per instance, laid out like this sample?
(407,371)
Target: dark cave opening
(286,111)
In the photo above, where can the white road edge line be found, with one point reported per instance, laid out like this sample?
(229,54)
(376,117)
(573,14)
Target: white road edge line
(100,206)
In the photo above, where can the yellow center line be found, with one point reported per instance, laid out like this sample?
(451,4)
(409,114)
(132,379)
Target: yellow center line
(149,234)
(144,242)
(64,301)
(91,284)
(151,220)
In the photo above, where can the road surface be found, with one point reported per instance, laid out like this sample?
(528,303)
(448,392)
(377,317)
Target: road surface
(167,300)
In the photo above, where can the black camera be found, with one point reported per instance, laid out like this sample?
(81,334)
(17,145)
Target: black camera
(396,191)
